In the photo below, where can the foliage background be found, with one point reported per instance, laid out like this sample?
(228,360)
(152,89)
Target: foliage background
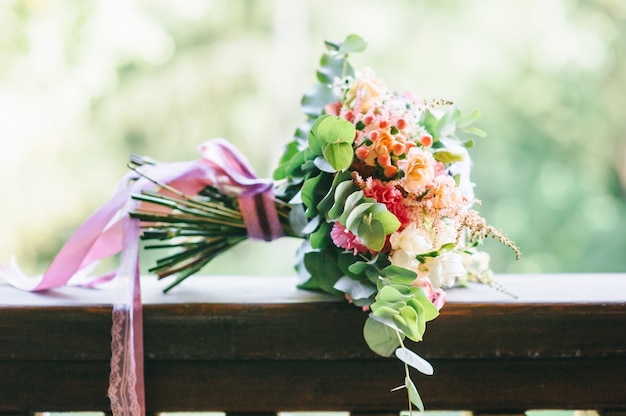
(85,83)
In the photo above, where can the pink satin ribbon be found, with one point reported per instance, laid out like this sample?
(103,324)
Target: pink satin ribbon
(110,230)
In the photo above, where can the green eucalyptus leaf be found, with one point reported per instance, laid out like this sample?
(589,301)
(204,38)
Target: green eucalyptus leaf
(351,201)
(302,131)
(430,123)
(323,165)
(468,119)
(323,270)
(410,358)
(353,43)
(339,155)
(406,321)
(372,235)
(430,311)
(314,141)
(419,311)
(447,247)
(331,67)
(355,217)
(384,311)
(355,289)
(329,199)
(308,194)
(297,219)
(414,396)
(381,339)
(314,101)
(398,274)
(320,238)
(468,144)
(358,267)
(474,131)
(392,294)
(447,123)
(447,157)
(295,165)
(334,129)
(372,274)
(323,126)
(341,131)
(289,152)
(342,192)
(389,221)
(312,225)
(332,46)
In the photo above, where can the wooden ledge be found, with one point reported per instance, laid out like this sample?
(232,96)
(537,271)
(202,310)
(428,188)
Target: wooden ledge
(214,340)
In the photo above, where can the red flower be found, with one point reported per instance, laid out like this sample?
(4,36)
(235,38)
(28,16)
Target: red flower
(391,197)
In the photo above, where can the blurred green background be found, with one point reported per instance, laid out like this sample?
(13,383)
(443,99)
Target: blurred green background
(85,83)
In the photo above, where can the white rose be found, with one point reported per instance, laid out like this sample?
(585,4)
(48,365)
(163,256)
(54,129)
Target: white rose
(403,259)
(411,240)
(444,269)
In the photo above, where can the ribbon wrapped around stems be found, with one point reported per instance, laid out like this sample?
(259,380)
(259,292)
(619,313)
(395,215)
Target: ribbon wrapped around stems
(111,230)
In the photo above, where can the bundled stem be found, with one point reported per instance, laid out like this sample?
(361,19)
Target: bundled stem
(195,229)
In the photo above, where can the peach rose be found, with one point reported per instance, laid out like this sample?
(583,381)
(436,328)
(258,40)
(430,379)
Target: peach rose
(419,169)
(365,92)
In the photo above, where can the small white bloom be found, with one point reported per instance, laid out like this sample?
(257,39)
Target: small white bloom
(476,262)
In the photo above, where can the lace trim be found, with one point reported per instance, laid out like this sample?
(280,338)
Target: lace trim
(122,379)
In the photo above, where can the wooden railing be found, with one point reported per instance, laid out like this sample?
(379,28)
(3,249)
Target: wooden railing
(259,346)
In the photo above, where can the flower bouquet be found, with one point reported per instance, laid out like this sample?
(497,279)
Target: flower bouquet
(375,183)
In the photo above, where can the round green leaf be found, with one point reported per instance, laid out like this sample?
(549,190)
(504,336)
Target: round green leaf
(372,235)
(339,155)
(381,339)
(389,221)
(353,43)
(335,129)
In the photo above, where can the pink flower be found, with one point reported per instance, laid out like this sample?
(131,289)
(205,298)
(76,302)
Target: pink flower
(333,108)
(344,238)
(437,297)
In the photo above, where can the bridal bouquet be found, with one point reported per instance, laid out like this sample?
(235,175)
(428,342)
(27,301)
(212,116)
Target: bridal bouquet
(376,184)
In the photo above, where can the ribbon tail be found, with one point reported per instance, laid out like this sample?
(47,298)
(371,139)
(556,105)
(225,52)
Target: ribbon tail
(126,380)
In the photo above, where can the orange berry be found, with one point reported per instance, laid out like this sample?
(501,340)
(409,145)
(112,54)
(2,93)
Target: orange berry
(390,171)
(398,148)
(362,152)
(426,140)
(384,160)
